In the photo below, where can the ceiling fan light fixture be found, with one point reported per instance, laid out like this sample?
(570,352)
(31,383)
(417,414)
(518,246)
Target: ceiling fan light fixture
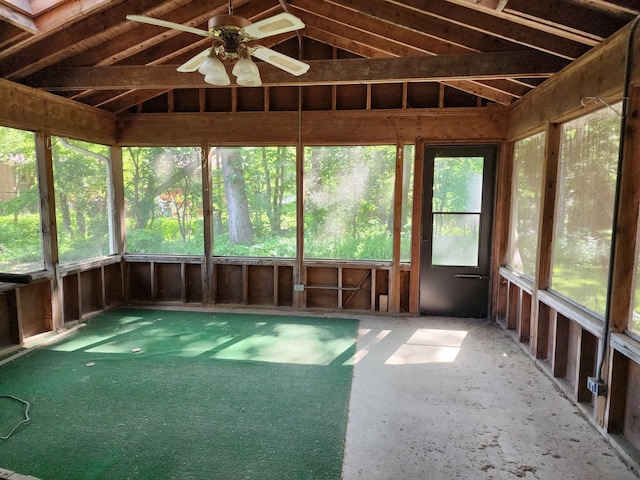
(218,80)
(245,67)
(212,66)
(249,81)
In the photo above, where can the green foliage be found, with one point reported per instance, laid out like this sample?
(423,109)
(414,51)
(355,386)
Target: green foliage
(349,202)
(163,196)
(20,243)
(80,171)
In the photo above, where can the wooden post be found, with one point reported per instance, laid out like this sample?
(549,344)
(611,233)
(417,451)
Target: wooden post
(44,161)
(207,210)
(502,207)
(416,228)
(116,201)
(394,294)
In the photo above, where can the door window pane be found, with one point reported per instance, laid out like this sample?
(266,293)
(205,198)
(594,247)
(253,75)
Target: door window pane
(528,160)
(163,197)
(349,202)
(457,184)
(456,206)
(584,211)
(456,239)
(20,239)
(254,201)
(80,172)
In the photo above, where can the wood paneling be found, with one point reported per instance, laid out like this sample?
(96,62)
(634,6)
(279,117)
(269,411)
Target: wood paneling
(30,109)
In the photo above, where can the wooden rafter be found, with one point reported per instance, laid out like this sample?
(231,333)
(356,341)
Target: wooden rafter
(473,66)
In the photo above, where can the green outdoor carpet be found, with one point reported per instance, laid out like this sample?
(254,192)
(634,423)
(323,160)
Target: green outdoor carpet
(209,396)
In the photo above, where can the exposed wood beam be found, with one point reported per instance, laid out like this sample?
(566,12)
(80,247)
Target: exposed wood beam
(599,73)
(74,39)
(333,128)
(473,66)
(501,25)
(130,99)
(143,36)
(611,6)
(448,33)
(501,5)
(384,37)
(550,29)
(474,88)
(569,17)
(63,13)
(29,109)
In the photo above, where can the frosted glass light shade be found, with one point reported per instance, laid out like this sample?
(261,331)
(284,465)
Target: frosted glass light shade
(245,68)
(249,81)
(212,66)
(218,79)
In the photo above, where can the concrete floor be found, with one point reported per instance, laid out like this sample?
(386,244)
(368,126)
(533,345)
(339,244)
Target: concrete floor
(436,398)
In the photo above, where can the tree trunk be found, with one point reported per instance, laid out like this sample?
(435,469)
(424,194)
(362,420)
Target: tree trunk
(235,190)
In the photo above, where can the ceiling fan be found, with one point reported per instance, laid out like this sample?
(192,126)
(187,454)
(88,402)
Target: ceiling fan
(231,35)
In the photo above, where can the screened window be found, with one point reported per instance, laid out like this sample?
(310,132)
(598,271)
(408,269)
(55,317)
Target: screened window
(407,203)
(80,172)
(254,201)
(349,202)
(528,161)
(584,211)
(163,197)
(20,239)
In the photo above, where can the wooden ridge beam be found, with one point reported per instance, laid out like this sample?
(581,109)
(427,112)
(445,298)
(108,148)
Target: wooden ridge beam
(473,66)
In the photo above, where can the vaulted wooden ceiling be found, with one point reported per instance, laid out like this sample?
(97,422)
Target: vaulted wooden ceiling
(493,50)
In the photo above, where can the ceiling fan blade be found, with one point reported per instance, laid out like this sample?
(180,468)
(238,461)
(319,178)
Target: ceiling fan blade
(280,23)
(194,63)
(165,23)
(277,59)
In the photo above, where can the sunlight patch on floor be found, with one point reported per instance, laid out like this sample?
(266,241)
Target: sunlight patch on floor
(429,346)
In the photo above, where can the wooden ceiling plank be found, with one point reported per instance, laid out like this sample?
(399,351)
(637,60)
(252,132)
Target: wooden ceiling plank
(499,25)
(142,36)
(67,12)
(423,24)
(10,35)
(77,38)
(49,31)
(473,66)
(130,99)
(570,17)
(480,90)
(475,88)
(550,29)
(613,7)
(346,44)
(510,91)
(360,21)
(364,37)
(195,14)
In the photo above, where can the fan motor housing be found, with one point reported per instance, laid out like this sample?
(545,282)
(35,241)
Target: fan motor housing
(222,21)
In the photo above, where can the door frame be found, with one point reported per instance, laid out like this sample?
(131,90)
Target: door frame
(490,152)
